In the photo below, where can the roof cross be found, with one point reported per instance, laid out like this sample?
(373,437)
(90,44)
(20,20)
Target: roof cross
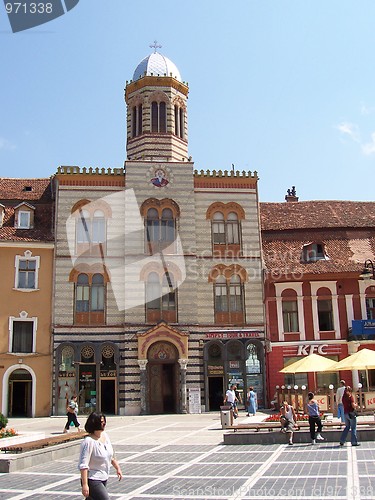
(155,46)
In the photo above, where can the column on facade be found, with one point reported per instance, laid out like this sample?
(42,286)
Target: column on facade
(183,367)
(144,386)
(352,349)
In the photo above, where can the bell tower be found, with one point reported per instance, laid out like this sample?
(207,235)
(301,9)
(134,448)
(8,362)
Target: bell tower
(156,111)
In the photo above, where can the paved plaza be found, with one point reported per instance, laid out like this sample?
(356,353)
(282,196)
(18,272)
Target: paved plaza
(182,457)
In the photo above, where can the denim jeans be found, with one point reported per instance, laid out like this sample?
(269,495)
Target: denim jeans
(350,423)
(340,412)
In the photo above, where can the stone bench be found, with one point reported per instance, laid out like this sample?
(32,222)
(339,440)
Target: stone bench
(251,433)
(271,426)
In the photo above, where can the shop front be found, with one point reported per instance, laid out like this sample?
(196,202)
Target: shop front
(91,372)
(234,357)
(283,354)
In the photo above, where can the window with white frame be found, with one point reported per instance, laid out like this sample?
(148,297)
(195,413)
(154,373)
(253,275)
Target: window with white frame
(2,210)
(370,307)
(290,316)
(91,228)
(22,334)
(325,315)
(312,252)
(23,220)
(27,267)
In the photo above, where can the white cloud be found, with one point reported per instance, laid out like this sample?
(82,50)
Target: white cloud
(369,148)
(350,129)
(6,145)
(367,110)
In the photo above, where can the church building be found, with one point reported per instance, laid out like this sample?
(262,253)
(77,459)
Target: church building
(158,299)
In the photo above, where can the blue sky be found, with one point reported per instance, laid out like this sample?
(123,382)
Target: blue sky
(284,87)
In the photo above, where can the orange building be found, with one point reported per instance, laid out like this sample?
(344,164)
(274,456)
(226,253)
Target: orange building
(26,255)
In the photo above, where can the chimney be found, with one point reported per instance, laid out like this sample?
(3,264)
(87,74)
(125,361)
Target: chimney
(291,194)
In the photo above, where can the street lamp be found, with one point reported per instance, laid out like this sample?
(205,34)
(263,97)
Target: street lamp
(368,270)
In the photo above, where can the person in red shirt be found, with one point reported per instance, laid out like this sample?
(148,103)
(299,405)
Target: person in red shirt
(350,417)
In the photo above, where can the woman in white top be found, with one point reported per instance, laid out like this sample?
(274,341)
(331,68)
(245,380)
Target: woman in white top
(95,459)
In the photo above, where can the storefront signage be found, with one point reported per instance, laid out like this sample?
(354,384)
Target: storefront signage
(370,400)
(234,364)
(307,349)
(106,374)
(234,335)
(363,327)
(215,370)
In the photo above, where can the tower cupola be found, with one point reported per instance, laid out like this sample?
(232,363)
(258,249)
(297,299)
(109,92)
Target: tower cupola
(156,111)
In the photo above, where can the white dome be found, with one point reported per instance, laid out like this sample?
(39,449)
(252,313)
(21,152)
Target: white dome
(158,65)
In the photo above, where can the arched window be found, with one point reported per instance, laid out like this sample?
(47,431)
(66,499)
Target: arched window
(226,228)
(98,227)
(161,297)
(158,117)
(91,223)
(218,229)
(67,359)
(160,227)
(179,121)
(290,311)
(229,300)
(90,299)
(233,233)
(82,294)
(370,302)
(83,227)
(137,120)
(325,314)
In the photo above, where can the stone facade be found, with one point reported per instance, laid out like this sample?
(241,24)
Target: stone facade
(158,284)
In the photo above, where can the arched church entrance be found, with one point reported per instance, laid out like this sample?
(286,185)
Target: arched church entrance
(20,394)
(163,378)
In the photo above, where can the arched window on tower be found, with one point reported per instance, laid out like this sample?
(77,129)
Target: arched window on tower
(137,120)
(158,117)
(179,121)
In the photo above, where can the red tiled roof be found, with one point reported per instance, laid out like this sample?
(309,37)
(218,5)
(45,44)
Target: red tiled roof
(317,214)
(346,229)
(40,196)
(283,257)
(14,189)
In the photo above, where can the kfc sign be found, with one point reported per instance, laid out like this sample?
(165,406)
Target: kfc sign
(306,350)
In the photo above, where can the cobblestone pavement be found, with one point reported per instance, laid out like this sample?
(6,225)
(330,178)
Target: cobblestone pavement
(182,457)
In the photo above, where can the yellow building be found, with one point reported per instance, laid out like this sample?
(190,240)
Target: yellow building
(26,255)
